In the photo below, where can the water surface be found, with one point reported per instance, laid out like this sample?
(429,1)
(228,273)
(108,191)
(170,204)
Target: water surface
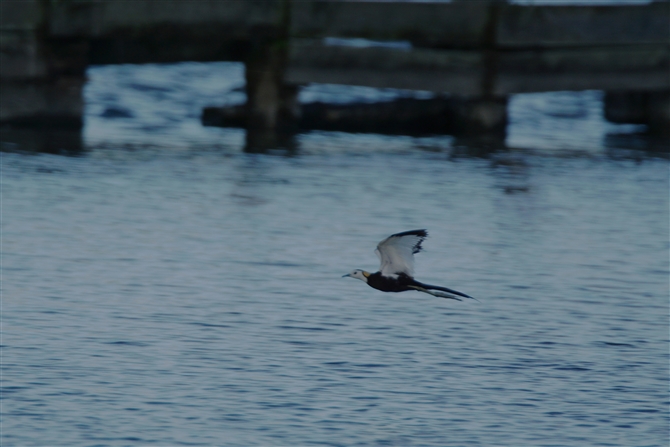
(164,288)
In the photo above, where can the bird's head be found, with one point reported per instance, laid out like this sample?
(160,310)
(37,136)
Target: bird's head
(358,274)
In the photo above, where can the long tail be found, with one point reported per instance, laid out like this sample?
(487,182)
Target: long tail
(450,293)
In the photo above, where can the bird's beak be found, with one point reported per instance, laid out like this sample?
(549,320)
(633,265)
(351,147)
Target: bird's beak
(348,274)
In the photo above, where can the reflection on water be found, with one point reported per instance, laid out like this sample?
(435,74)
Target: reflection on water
(166,288)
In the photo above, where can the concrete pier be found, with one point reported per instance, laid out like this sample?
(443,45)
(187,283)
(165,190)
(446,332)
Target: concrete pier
(272,110)
(477,52)
(41,79)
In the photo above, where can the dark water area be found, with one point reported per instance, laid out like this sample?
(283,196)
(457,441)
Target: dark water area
(163,287)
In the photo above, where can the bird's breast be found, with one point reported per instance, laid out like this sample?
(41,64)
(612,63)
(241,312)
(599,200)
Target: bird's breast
(396,283)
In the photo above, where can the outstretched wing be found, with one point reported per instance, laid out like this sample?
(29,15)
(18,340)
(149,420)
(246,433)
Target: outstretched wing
(396,252)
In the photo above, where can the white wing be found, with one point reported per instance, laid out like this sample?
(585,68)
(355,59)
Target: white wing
(396,252)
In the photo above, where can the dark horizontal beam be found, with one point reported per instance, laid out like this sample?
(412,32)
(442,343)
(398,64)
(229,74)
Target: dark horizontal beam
(402,116)
(582,25)
(461,24)
(235,19)
(418,69)
(642,67)
(476,24)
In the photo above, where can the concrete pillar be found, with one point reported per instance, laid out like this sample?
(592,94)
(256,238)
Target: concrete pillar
(650,108)
(41,79)
(272,108)
(481,115)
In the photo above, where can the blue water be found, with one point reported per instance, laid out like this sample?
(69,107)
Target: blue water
(164,288)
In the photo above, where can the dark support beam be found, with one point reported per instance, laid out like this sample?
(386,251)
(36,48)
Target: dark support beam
(649,108)
(444,115)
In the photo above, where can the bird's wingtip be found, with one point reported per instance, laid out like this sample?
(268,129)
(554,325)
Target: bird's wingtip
(420,233)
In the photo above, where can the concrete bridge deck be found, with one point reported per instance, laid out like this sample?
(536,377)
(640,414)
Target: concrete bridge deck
(479,50)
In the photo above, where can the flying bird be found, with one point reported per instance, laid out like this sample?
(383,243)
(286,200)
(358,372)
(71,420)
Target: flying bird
(396,273)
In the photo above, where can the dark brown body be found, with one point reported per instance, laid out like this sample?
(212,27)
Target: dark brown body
(385,284)
(403,283)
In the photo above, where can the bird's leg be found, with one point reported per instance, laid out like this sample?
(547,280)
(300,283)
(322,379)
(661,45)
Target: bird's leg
(437,294)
